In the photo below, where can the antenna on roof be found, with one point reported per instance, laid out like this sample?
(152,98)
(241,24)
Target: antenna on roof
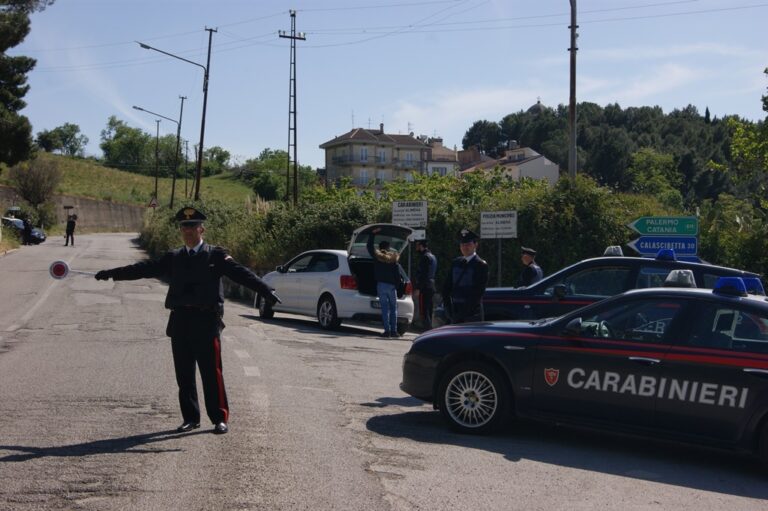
(369,123)
(353,118)
(410,127)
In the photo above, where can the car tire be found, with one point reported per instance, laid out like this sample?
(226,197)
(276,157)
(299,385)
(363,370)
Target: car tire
(474,398)
(327,315)
(265,309)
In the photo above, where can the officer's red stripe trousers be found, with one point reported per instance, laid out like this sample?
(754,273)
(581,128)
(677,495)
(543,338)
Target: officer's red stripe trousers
(220,379)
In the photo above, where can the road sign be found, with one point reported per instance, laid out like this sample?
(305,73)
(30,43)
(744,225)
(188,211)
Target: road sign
(153,203)
(498,224)
(666,225)
(410,213)
(650,245)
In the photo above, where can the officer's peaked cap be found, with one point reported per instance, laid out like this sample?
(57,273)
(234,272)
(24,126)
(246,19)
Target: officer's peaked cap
(529,251)
(190,216)
(467,236)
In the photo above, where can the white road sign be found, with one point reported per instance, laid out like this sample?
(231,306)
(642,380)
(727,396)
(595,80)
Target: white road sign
(498,224)
(410,213)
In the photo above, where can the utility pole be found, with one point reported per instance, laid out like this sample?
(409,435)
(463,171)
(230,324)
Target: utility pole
(292,112)
(157,154)
(186,167)
(205,104)
(178,149)
(572,102)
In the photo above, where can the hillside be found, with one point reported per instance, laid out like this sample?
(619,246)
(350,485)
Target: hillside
(87,178)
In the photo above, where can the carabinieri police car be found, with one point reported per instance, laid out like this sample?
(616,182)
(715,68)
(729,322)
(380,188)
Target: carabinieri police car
(687,364)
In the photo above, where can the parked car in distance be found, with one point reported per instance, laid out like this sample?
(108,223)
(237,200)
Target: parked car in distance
(338,286)
(17,224)
(591,280)
(681,364)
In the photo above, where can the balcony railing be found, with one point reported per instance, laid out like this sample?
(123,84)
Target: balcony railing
(357,160)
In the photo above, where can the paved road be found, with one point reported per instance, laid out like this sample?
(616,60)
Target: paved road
(88,411)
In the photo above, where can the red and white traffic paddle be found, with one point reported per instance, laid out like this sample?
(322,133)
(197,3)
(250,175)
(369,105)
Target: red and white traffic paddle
(60,269)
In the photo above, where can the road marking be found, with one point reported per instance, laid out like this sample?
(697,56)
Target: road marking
(242,354)
(252,371)
(260,399)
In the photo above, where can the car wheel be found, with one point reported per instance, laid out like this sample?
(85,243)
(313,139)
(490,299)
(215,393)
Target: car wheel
(326,313)
(474,398)
(265,309)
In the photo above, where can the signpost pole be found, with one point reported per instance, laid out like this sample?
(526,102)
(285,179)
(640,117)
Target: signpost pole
(498,257)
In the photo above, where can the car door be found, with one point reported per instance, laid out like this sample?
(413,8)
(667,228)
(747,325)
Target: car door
(604,365)
(288,283)
(315,278)
(717,373)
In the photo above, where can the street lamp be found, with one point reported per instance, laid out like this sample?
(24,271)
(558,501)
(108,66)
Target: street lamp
(206,68)
(178,142)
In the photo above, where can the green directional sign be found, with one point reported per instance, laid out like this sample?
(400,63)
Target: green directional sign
(666,225)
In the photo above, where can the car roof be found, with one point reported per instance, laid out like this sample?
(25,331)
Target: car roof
(758,300)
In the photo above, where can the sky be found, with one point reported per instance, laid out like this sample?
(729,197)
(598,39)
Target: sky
(430,67)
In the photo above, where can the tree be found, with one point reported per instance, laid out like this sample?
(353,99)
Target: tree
(215,160)
(127,148)
(72,142)
(15,129)
(36,180)
(266,174)
(48,141)
(484,134)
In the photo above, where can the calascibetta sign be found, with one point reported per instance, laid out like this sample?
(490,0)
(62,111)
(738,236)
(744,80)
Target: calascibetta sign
(650,245)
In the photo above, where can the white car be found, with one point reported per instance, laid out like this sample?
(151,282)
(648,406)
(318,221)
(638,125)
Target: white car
(337,285)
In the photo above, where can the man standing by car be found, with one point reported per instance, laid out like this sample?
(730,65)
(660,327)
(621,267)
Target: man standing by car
(386,271)
(466,282)
(532,272)
(196,300)
(425,282)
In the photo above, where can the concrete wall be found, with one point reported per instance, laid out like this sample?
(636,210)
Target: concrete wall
(91,214)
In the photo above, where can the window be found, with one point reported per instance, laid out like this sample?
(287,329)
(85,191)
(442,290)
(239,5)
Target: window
(324,263)
(651,277)
(439,170)
(642,321)
(382,156)
(409,157)
(380,176)
(363,176)
(409,177)
(602,281)
(300,264)
(726,327)
(364,154)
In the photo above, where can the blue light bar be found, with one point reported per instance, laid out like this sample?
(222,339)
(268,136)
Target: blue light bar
(754,286)
(732,286)
(666,254)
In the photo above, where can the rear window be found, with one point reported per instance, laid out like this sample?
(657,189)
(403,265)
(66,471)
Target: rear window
(651,277)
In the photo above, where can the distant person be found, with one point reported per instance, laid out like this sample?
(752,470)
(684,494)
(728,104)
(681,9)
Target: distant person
(532,272)
(386,271)
(424,279)
(464,288)
(26,232)
(196,300)
(71,224)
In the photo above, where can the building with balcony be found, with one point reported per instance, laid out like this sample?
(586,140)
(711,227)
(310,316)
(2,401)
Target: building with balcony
(372,157)
(441,160)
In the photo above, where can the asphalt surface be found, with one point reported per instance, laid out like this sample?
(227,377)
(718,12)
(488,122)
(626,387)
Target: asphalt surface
(88,413)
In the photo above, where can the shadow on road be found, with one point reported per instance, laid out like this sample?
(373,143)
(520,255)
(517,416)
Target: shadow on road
(307,325)
(645,459)
(119,445)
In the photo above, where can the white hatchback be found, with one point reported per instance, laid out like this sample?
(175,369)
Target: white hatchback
(337,285)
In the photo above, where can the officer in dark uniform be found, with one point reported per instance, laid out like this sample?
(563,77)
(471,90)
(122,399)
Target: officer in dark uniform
(196,300)
(424,279)
(465,285)
(532,272)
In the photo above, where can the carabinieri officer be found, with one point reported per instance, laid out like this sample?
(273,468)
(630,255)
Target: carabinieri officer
(465,285)
(196,300)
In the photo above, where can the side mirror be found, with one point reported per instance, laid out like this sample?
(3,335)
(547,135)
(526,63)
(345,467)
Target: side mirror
(280,268)
(559,291)
(573,327)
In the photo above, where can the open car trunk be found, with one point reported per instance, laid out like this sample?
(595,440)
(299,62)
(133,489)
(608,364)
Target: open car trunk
(360,261)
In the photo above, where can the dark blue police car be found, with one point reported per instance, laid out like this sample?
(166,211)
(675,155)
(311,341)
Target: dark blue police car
(688,364)
(591,280)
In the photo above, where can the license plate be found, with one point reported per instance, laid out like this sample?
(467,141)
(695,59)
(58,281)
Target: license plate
(375,304)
